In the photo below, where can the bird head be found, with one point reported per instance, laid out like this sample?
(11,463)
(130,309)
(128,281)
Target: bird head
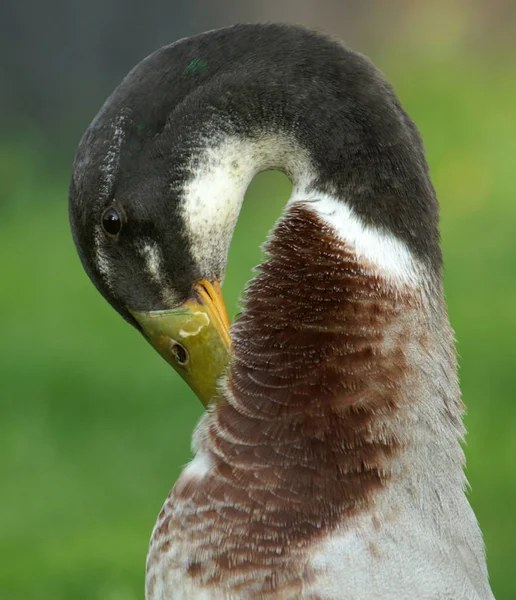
(131,226)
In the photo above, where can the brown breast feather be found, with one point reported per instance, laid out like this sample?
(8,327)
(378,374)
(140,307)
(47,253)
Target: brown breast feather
(302,441)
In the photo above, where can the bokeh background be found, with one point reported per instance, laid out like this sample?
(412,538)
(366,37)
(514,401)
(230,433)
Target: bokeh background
(94,427)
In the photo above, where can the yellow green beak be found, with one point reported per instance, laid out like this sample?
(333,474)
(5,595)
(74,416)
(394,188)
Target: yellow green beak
(193,338)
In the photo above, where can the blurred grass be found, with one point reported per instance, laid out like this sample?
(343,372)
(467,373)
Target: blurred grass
(94,427)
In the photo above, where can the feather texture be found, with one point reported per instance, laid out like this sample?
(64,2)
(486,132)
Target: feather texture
(327,433)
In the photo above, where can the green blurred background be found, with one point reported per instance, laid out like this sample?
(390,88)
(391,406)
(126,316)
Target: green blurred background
(94,426)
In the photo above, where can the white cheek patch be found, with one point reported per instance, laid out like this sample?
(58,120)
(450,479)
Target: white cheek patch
(153,260)
(386,253)
(154,267)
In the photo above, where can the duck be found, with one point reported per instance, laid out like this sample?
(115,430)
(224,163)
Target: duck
(328,463)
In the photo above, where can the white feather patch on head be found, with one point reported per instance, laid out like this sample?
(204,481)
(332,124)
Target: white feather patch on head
(220,175)
(385,252)
(152,256)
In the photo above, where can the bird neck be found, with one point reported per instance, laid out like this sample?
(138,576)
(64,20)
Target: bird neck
(399,299)
(340,410)
(345,299)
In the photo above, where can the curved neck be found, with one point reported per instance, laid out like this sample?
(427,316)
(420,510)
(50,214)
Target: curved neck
(222,172)
(365,268)
(341,134)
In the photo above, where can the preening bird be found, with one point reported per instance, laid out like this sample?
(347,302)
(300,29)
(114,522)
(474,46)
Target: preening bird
(328,464)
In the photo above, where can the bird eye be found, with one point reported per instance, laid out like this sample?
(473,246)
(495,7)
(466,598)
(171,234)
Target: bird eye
(111,221)
(179,353)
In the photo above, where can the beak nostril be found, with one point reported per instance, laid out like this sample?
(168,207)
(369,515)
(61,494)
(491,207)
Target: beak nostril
(179,353)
